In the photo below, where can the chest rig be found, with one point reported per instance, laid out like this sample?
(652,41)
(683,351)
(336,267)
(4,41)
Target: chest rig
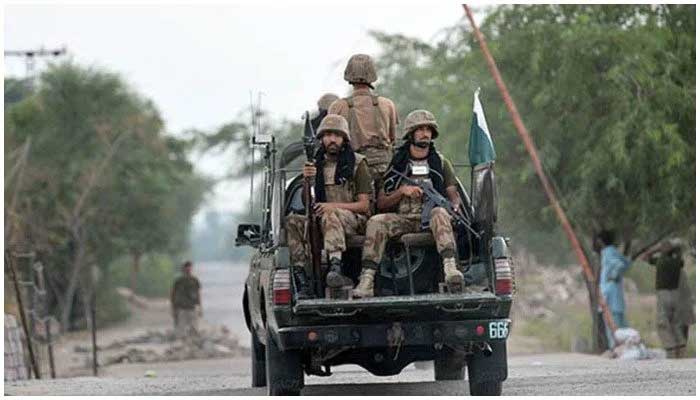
(418,170)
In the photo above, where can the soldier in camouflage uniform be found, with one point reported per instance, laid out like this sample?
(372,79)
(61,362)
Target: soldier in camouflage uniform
(186,303)
(342,202)
(324,102)
(418,159)
(674,299)
(372,119)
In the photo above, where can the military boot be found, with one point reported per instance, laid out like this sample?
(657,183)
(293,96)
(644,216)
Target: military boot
(302,283)
(452,275)
(366,286)
(335,277)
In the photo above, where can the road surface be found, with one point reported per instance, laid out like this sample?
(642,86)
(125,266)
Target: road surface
(548,374)
(529,374)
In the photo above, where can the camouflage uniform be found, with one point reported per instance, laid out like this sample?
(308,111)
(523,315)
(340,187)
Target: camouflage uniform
(336,223)
(185,298)
(382,227)
(372,119)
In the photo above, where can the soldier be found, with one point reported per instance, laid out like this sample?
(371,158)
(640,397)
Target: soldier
(342,202)
(186,302)
(372,119)
(674,302)
(324,102)
(418,159)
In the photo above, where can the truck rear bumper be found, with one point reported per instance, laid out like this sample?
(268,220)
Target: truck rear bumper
(414,333)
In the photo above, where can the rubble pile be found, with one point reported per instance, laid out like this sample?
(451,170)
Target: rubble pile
(163,346)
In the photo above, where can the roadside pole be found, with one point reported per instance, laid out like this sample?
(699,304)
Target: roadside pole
(23,318)
(95,275)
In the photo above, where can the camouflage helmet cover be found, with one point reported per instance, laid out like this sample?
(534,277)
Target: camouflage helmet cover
(324,103)
(334,123)
(360,69)
(419,118)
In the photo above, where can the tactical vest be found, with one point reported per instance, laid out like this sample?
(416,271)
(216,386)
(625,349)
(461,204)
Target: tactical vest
(411,205)
(344,193)
(374,141)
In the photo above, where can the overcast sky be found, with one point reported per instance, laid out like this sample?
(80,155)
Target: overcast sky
(200,63)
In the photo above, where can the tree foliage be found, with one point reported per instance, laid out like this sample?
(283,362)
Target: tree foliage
(607,92)
(101,178)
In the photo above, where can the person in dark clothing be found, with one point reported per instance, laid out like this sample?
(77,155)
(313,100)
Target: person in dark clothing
(186,303)
(674,300)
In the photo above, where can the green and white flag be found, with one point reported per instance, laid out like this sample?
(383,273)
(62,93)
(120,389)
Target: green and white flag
(481,148)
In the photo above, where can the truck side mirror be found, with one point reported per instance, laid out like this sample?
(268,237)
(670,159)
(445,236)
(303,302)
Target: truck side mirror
(248,235)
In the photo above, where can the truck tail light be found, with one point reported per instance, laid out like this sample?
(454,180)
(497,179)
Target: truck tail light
(504,276)
(281,287)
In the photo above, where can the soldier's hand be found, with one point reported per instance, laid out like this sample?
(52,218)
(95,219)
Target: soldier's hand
(309,170)
(411,191)
(322,208)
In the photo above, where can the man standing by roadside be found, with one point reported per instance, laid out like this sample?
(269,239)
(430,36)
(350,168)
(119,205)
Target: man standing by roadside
(674,300)
(186,303)
(372,119)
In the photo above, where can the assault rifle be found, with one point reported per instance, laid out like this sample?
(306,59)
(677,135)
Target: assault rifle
(433,199)
(313,230)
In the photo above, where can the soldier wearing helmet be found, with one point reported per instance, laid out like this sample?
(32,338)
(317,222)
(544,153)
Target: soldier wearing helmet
(372,119)
(418,159)
(342,202)
(324,102)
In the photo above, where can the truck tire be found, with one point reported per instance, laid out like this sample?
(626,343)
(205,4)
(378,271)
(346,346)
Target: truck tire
(449,366)
(489,388)
(488,371)
(257,356)
(285,376)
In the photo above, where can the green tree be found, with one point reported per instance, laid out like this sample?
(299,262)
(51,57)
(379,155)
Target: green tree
(100,179)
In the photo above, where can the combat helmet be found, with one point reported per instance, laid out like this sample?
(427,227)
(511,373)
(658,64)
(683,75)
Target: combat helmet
(418,118)
(334,123)
(324,103)
(360,69)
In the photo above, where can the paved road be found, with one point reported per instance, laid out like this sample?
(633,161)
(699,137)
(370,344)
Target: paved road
(549,374)
(539,374)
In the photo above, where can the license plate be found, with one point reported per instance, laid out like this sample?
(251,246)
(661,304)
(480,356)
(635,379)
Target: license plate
(498,330)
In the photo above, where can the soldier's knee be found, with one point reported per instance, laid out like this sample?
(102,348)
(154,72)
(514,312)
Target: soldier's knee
(375,224)
(439,212)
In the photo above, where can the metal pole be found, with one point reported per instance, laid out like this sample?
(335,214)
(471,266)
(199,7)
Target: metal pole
(47,323)
(23,318)
(93,322)
(532,151)
(52,365)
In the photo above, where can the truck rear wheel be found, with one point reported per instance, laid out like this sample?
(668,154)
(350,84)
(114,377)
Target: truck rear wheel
(449,366)
(285,376)
(257,356)
(489,388)
(488,370)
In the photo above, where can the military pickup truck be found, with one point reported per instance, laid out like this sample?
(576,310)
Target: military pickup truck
(412,316)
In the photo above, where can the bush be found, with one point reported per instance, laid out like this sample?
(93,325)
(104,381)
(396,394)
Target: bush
(110,307)
(155,276)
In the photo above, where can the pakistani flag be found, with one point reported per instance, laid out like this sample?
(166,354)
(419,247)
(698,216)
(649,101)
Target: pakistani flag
(480,145)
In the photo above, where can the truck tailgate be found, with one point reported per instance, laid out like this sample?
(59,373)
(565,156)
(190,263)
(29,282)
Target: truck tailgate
(422,306)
